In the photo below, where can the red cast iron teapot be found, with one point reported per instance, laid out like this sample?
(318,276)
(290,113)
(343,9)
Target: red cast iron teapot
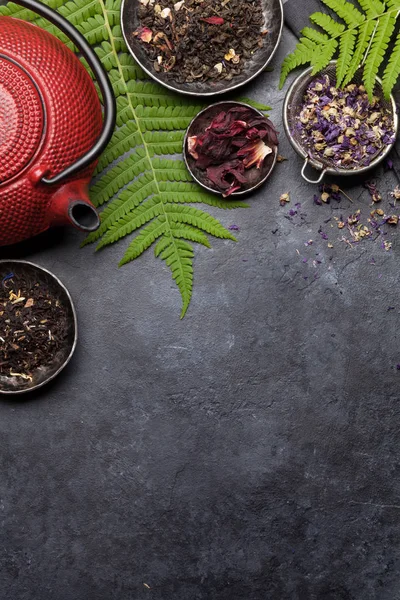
(51,127)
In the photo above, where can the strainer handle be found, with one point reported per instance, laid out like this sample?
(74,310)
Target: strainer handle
(304,176)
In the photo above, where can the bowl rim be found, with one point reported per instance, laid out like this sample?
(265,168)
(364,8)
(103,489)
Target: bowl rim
(177,89)
(75,324)
(189,168)
(319,166)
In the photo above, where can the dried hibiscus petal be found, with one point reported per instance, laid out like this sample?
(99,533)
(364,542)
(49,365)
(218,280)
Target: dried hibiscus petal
(254,153)
(234,141)
(228,177)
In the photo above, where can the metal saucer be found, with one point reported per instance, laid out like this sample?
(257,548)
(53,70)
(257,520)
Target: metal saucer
(16,385)
(273,14)
(256,176)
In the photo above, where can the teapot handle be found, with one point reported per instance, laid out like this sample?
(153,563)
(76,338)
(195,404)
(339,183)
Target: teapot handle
(109,103)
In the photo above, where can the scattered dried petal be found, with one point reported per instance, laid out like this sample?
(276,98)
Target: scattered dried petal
(165,13)
(213,20)
(144,34)
(284,198)
(230,54)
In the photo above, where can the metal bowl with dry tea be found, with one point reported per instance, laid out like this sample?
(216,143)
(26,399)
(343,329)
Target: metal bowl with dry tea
(202,47)
(338,131)
(37,326)
(230,148)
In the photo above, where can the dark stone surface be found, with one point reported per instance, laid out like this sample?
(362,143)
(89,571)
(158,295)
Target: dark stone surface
(250,451)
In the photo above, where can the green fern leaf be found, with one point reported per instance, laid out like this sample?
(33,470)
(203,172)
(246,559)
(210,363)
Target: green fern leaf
(372,8)
(346,11)
(144,189)
(347,42)
(128,200)
(365,32)
(322,55)
(178,255)
(119,176)
(301,56)
(314,35)
(190,234)
(144,213)
(147,236)
(164,142)
(363,40)
(263,107)
(376,54)
(197,218)
(123,140)
(332,27)
(392,70)
(393,4)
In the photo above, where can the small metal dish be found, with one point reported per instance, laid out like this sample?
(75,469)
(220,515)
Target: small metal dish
(42,375)
(197,126)
(291,110)
(273,15)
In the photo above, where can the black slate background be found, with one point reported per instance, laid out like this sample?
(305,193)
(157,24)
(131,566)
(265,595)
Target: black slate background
(250,451)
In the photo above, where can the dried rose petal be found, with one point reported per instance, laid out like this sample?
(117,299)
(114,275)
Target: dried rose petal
(144,34)
(254,154)
(213,20)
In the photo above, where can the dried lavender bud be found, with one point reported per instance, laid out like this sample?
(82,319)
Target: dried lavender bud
(342,126)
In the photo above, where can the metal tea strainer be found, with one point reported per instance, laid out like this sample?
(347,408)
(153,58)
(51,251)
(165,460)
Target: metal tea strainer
(291,111)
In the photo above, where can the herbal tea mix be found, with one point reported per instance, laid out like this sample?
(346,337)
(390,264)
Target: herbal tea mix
(34,326)
(231,146)
(342,125)
(194,40)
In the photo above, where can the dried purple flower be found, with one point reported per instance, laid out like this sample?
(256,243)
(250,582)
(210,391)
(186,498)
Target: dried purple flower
(317,200)
(342,126)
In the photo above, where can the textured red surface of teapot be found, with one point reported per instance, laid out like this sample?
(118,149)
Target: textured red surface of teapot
(50,116)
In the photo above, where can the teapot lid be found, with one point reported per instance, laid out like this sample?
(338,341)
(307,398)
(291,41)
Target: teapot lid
(21,119)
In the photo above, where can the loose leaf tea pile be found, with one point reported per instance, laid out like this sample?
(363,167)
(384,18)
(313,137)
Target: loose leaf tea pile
(342,125)
(33,327)
(200,40)
(235,141)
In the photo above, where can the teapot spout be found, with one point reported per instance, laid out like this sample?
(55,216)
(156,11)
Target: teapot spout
(71,205)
